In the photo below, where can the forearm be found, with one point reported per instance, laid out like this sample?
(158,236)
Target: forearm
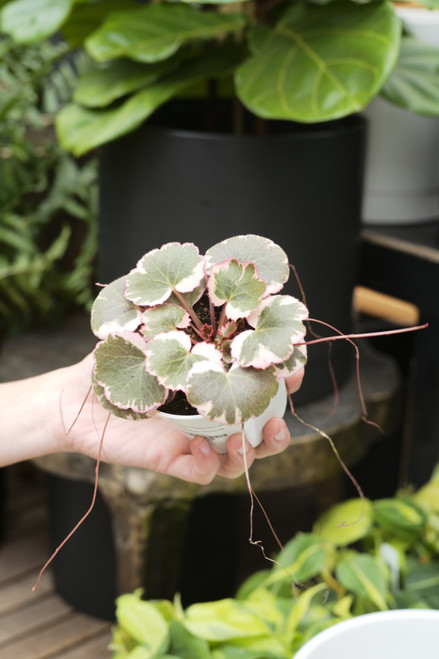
(29,410)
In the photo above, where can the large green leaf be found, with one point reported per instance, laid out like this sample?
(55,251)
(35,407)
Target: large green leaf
(120,368)
(364,575)
(86,17)
(143,622)
(321,62)
(345,522)
(401,517)
(223,620)
(278,327)
(81,129)
(301,559)
(28,21)
(414,83)
(232,397)
(157,31)
(101,86)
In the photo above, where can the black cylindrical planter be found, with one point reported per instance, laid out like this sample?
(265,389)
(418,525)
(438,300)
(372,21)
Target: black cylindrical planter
(300,186)
(85,569)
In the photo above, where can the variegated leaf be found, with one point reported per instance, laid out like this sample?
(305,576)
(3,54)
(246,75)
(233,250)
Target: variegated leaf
(230,397)
(116,411)
(173,267)
(112,312)
(169,357)
(238,286)
(293,363)
(164,318)
(278,327)
(270,260)
(120,369)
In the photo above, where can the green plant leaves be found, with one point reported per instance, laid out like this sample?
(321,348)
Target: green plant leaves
(28,21)
(170,358)
(278,326)
(236,285)
(80,128)
(341,52)
(143,622)
(345,522)
(366,576)
(414,83)
(232,397)
(400,516)
(224,620)
(301,559)
(270,260)
(173,267)
(112,312)
(120,370)
(164,318)
(156,31)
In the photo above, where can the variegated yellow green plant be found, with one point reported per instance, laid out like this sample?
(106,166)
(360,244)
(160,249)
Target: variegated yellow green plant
(361,556)
(213,327)
(296,60)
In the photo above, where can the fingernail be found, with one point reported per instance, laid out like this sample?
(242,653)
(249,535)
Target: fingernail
(281,435)
(247,449)
(205,448)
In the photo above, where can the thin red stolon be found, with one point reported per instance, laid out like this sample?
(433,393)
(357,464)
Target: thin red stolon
(84,517)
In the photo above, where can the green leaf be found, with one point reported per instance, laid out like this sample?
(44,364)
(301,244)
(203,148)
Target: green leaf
(223,620)
(232,397)
(345,522)
(80,129)
(86,18)
(112,312)
(270,260)
(278,327)
(164,318)
(238,286)
(301,559)
(173,267)
(294,363)
(185,645)
(157,31)
(321,62)
(401,517)
(121,370)
(170,359)
(28,21)
(414,83)
(101,86)
(142,622)
(302,605)
(365,576)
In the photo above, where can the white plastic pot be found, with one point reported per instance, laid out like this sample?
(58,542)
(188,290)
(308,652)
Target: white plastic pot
(399,634)
(402,156)
(218,434)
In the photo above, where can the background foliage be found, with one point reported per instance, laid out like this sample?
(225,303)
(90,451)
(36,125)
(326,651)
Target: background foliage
(48,200)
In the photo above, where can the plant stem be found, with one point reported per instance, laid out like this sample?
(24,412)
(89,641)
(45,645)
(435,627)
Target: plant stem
(197,322)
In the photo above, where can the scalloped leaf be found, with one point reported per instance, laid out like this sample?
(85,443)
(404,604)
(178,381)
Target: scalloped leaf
(170,359)
(164,318)
(157,31)
(270,260)
(116,411)
(120,368)
(294,363)
(230,397)
(238,286)
(112,312)
(173,267)
(278,327)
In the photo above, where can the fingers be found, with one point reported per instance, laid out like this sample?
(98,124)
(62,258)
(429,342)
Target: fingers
(206,462)
(239,454)
(276,438)
(294,382)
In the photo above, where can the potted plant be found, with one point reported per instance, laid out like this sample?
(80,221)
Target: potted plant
(248,144)
(362,557)
(185,334)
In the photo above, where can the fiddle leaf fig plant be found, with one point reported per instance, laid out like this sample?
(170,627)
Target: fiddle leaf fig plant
(210,330)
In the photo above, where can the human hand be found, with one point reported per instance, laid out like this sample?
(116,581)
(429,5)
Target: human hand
(153,443)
